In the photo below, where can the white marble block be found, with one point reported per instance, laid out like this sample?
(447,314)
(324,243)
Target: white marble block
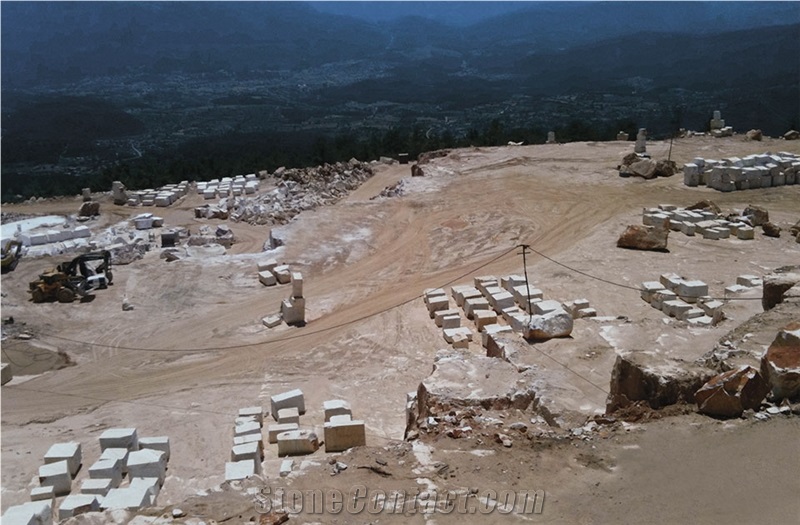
(75,504)
(99,487)
(69,452)
(297,442)
(119,438)
(56,475)
(108,468)
(292,398)
(336,407)
(297,284)
(256,412)
(340,436)
(288,415)
(274,430)
(156,443)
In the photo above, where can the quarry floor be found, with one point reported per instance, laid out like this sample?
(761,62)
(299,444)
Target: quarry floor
(193,350)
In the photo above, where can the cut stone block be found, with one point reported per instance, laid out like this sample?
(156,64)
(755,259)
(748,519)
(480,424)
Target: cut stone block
(293,310)
(152,486)
(483,318)
(584,313)
(282,274)
(662,296)
(462,293)
(572,307)
(99,487)
(543,307)
(688,228)
(341,436)
(288,415)
(671,281)
(292,398)
(119,438)
(474,304)
(267,266)
(711,308)
(249,438)
(286,467)
(701,321)
(247,451)
(297,284)
(675,308)
(247,428)
(56,475)
(439,315)
(521,294)
(341,418)
(156,443)
(437,303)
(690,291)
(45,493)
(492,290)
(649,288)
(255,412)
(501,301)
(492,329)
(271,321)
(32,513)
(75,504)
(108,468)
(69,452)
(735,289)
(147,463)
(432,292)
(749,280)
(510,282)
(451,333)
(297,442)
(745,233)
(238,470)
(481,283)
(274,430)
(694,313)
(126,498)
(336,407)
(722,232)
(267,278)
(451,321)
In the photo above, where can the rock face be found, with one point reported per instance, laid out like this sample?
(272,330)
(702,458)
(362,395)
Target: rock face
(792,134)
(655,380)
(778,284)
(780,365)
(89,209)
(757,215)
(754,134)
(638,237)
(557,323)
(427,156)
(771,229)
(731,393)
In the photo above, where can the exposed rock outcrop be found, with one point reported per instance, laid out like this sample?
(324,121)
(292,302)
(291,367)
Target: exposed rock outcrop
(780,285)
(732,392)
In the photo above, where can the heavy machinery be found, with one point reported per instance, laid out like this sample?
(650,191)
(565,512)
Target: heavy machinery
(12,251)
(72,279)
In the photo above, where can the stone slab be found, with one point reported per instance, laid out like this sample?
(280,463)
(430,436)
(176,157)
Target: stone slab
(297,442)
(341,436)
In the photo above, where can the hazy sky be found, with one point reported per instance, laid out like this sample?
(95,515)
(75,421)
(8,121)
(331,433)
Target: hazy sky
(452,13)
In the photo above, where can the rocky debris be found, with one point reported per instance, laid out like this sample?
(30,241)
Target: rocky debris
(427,156)
(780,365)
(781,285)
(642,167)
(89,209)
(792,134)
(653,238)
(416,171)
(757,215)
(224,235)
(771,229)
(794,231)
(463,383)
(207,211)
(297,190)
(705,204)
(122,254)
(395,190)
(557,323)
(656,380)
(754,134)
(732,392)
(666,168)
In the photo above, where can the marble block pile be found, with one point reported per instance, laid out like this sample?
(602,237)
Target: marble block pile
(684,299)
(293,309)
(247,452)
(341,430)
(703,223)
(40,237)
(286,409)
(229,186)
(145,221)
(161,197)
(751,172)
(744,283)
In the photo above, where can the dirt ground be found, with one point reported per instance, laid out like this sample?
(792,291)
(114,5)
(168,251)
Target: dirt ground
(193,350)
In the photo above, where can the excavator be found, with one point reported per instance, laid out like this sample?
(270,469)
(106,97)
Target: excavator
(12,251)
(72,279)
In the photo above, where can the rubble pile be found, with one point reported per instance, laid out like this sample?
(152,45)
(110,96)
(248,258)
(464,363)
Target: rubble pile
(298,190)
(751,172)
(395,190)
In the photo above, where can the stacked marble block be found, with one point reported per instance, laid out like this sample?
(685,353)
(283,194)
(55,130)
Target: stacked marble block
(683,299)
(145,221)
(293,309)
(448,319)
(247,452)
(744,283)
(32,513)
(341,430)
(286,409)
(38,238)
(229,186)
(697,222)
(751,172)
(161,197)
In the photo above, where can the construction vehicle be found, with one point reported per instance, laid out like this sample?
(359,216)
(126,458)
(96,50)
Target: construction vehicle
(12,251)
(72,279)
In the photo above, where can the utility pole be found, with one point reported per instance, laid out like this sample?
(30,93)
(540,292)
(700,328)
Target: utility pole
(525,247)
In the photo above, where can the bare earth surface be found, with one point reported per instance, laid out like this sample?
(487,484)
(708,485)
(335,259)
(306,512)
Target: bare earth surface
(193,351)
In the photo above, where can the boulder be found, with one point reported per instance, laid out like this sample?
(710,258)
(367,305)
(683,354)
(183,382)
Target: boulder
(638,237)
(771,229)
(780,364)
(666,168)
(654,379)
(754,134)
(732,392)
(645,168)
(705,204)
(630,158)
(794,231)
(557,323)
(757,215)
(416,171)
(89,209)
(778,284)
(792,134)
